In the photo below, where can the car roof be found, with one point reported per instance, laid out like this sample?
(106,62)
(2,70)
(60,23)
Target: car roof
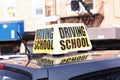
(22,60)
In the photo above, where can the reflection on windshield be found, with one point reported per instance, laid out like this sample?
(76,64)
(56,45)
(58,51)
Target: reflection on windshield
(6,78)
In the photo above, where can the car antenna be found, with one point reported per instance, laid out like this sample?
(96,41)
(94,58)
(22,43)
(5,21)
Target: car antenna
(30,55)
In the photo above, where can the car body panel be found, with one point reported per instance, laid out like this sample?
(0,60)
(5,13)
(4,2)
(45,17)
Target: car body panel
(66,71)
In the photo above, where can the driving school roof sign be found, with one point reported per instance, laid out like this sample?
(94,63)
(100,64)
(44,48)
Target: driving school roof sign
(61,39)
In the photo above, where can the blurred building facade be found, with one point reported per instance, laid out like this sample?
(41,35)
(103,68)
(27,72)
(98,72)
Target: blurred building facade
(34,13)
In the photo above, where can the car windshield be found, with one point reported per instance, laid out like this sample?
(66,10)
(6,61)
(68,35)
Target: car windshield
(12,73)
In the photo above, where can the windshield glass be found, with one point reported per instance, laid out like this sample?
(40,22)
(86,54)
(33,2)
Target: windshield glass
(14,74)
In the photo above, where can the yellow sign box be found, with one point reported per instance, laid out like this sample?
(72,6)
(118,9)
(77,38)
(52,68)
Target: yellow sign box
(61,39)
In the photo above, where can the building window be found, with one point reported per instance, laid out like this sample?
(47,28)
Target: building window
(39,11)
(38,8)
(9,9)
(75,6)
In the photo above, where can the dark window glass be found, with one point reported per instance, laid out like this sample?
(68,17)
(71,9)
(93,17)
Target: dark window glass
(110,74)
(14,75)
(75,5)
